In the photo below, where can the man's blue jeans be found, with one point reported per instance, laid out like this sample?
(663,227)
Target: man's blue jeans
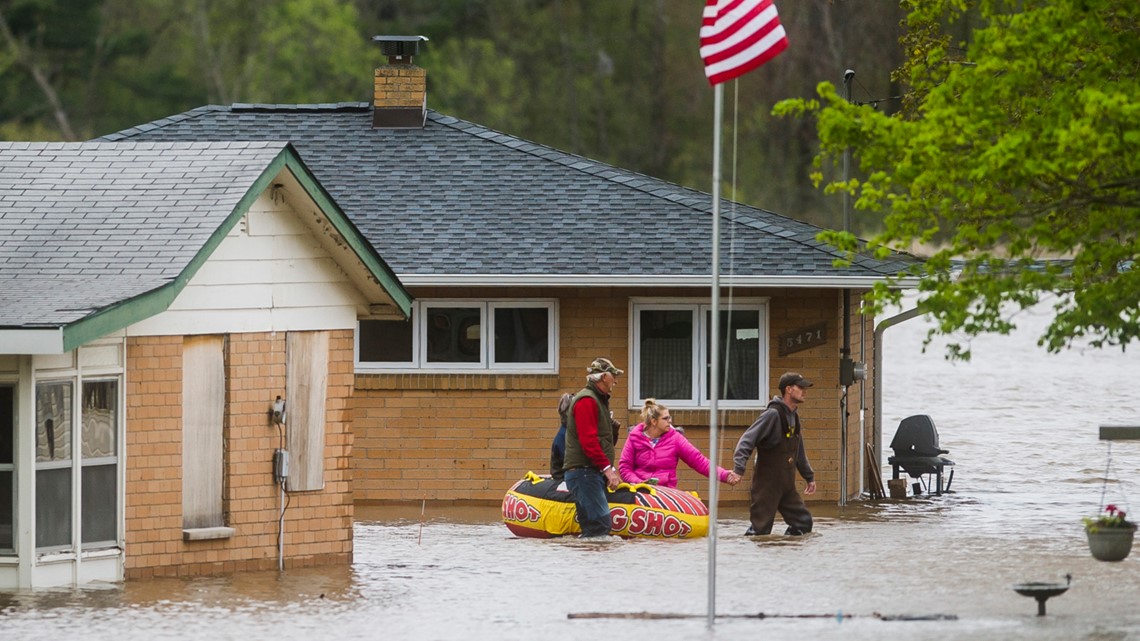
(589,488)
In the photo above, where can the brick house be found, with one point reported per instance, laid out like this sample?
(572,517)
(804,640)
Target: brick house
(155,300)
(526,263)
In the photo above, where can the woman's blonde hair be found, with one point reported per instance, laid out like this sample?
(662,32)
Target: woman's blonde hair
(652,410)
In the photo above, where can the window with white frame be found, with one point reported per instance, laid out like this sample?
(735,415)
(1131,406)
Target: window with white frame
(463,335)
(672,352)
(95,436)
(99,477)
(54,422)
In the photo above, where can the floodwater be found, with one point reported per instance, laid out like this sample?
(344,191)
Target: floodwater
(1021,426)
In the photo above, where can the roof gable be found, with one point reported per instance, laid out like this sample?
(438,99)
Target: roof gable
(99,235)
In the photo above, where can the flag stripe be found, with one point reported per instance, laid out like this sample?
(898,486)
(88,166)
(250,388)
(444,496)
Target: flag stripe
(748,33)
(752,57)
(738,36)
(741,14)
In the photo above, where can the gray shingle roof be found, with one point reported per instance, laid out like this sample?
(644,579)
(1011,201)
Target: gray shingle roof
(457,198)
(87,225)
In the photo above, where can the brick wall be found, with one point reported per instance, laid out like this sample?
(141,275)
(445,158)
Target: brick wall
(399,86)
(318,525)
(467,437)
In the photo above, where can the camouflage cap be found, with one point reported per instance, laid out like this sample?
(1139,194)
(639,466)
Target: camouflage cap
(603,365)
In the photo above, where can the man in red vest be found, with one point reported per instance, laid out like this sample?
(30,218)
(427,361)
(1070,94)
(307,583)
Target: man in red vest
(590,437)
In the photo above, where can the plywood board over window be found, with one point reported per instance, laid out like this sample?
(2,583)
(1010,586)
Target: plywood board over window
(203,407)
(306,390)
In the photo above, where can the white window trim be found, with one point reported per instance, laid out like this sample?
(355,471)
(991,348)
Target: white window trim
(67,549)
(486,364)
(551,364)
(77,376)
(699,307)
(420,346)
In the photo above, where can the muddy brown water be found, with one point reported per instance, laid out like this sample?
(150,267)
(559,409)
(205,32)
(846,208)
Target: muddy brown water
(1021,425)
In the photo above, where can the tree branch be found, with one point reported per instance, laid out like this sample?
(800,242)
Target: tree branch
(25,58)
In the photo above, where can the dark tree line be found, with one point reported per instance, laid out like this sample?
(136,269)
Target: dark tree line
(616,80)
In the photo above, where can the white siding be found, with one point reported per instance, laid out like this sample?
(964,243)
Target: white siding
(270,273)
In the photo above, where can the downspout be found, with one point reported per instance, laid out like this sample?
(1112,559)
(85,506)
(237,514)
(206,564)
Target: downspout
(862,404)
(878,351)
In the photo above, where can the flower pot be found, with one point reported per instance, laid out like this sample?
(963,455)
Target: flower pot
(1110,544)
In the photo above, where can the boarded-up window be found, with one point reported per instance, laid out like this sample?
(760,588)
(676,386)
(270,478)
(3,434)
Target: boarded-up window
(203,407)
(306,388)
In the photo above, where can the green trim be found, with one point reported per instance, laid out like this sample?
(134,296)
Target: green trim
(120,315)
(124,313)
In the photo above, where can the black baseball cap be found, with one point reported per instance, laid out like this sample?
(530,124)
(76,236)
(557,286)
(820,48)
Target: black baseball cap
(793,378)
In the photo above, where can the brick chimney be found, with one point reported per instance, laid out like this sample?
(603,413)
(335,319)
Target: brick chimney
(400,88)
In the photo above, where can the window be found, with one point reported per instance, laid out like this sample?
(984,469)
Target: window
(100,468)
(7,468)
(53,465)
(463,335)
(672,353)
(306,390)
(76,432)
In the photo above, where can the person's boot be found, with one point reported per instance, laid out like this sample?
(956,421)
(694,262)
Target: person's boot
(794,531)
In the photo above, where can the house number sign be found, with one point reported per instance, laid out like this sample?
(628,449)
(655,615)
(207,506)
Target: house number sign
(801,339)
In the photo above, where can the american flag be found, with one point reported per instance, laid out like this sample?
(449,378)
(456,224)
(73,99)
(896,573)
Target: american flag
(738,36)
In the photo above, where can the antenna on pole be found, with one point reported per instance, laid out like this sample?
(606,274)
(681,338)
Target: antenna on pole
(848,76)
(845,352)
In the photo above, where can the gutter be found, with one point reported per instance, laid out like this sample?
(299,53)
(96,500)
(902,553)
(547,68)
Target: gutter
(634,280)
(877,347)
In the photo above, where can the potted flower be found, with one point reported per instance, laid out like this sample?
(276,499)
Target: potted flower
(1110,534)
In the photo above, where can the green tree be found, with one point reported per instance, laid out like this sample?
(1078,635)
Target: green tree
(1015,148)
(466,75)
(284,51)
(54,56)
(73,69)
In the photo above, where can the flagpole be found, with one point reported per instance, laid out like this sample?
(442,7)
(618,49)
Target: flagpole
(714,358)
(736,37)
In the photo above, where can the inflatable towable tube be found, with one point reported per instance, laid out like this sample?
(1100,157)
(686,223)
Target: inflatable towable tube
(542,507)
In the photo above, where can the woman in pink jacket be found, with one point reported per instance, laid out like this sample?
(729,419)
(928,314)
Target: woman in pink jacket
(654,447)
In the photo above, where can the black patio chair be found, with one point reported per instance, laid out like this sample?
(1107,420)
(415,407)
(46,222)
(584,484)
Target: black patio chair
(917,452)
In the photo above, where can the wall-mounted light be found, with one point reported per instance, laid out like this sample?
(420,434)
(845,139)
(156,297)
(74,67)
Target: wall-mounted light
(277,411)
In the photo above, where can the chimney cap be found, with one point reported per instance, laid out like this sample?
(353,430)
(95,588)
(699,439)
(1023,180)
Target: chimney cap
(399,46)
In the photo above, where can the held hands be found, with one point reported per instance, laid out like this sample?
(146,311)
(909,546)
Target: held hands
(733,478)
(612,478)
(810,489)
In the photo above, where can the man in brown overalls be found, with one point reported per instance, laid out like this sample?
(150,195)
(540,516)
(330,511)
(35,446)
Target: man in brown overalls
(778,440)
